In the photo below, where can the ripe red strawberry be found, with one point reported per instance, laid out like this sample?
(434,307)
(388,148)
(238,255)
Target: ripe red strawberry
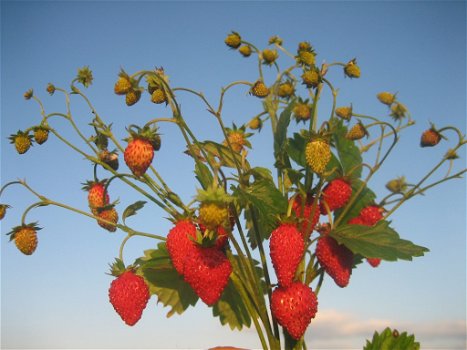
(286,249)
(138,155)
(207,271)
(374,262)
(178,243)
(222,236)
(336,259)
(371,214)
(307,215)
(335,195)
(97,197)
(293,307)
(129,295)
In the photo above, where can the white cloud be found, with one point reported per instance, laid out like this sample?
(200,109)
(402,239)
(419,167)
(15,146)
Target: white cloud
(336,330)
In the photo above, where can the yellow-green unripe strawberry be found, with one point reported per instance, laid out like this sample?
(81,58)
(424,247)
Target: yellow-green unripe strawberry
(122,86)
(398,111)
(259,89)
(307,58)
(397,185)
(286,90)
(25,237)
(311,78)
(304,46)
(269,56)
(386,97)
(318,155)
(50,88)
(256,123)
(357,132)
(3,208)
(213,215)
(245,50)
(233,40)
(158,96)
(302,112)
(41,134)
(344,112)
(132,97)
(22,141)
(352,70)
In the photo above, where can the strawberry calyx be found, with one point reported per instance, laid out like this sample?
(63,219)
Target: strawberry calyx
(14,231)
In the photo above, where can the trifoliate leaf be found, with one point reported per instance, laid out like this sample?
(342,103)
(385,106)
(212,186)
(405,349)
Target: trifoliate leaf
(392,340)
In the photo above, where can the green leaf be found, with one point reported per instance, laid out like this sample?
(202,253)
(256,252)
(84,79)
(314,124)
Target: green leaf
(379,241)
(392,340)
(132,209)
(223,154)
(364,198)
(280,138)
(348,152)
(203,175)
(165,282)
(264,203)
(296,149)
(231,309)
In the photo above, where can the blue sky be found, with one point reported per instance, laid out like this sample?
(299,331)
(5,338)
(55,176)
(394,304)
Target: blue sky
(57,298)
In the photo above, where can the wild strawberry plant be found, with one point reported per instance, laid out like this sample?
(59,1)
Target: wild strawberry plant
(313,207)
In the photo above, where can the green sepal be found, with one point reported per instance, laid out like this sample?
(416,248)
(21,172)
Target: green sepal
(204,175)
(378,241)
(164,281)
(392,340)
(117,268)
(14,230)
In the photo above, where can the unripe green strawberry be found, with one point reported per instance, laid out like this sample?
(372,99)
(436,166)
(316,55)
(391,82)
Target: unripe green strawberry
(233,40)
(132,97)
(430,138)
(286,90)
(108,214)
(311,78)
(318,155)
(97,196)
(123,85)
(85,76)
(302,112)
(138,155)
(25,237)
(269,56)
(398,111)
(335,195)
(212,215)
(386,97)
(245,50)
(307,58)
(22,141)
(294,307)
(344,112)
(259,89)
(129,295)
(352,70)
(256,123)
(304,46)
(50,88)
(28,94)
(158,96)
(397,185)
(286,247)
(275,40)
(3,208)
(307,214)
(41,134)
(207,271)
(179,243)
(357,132)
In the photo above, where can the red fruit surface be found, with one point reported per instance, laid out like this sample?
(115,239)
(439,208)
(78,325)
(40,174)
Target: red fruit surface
(374,262)
(371,215)
(179,244)
(336,194)
(293,307)
(138,155)
(129,295)
(286,247)
(336,259)
(305,212)
(357,221)
(207,271)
